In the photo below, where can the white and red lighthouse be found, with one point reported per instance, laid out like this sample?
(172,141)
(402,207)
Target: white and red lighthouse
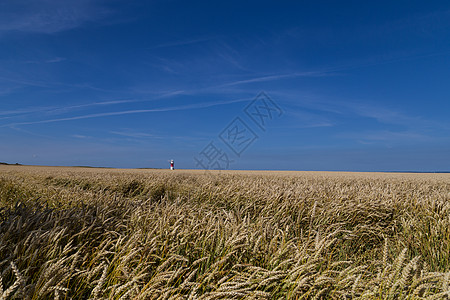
(172,165)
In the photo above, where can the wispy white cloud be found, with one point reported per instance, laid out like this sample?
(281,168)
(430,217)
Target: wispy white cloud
(52,60)
(390,124)
(68,109)
(391,116)
(297,118)
(25,82)
(71,108)
(129,112)
(48,16)
(28,132)
(394,136)
(139,136)
(21,111)
(183,42)
(79,136)
(276,77)
(59,109)
(384,114)
(230,55)
(134,134)
(387,137)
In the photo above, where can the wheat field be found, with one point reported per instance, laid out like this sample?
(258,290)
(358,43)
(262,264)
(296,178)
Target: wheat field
(85,233)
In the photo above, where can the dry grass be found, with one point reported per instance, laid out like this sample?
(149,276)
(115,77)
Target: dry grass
(78,233)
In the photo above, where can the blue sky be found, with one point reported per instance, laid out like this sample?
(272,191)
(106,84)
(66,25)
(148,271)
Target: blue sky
(360,86)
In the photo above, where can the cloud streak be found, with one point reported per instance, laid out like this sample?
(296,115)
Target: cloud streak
(68,109)
(135,134)
(143,136)
(48,16)
(130,112)
(276,77)
(388,137)
(53,60)
(52,109)
(181,43)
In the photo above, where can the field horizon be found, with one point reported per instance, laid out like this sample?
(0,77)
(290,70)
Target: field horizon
(230,170)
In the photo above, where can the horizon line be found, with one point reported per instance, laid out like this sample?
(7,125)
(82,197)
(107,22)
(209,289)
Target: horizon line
(225,170)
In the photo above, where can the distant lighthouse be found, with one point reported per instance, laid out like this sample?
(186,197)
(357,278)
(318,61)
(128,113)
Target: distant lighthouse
(171,165)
